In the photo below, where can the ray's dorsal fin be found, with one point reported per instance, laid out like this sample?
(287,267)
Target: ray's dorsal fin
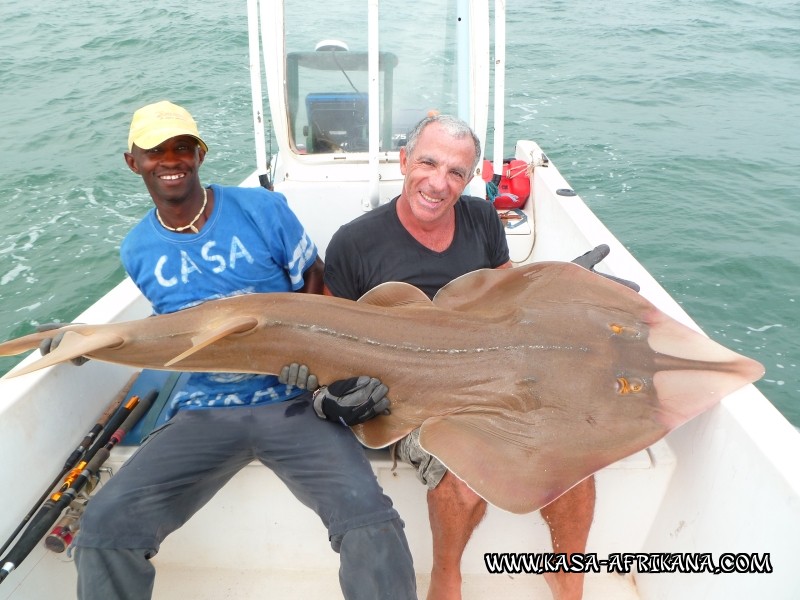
(229,327)
(73,345)
(394,294)
(461,291)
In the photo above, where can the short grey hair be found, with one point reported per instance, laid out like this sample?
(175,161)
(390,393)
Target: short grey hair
(453,126)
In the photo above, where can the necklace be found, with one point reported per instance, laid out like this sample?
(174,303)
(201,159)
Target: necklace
(190,225)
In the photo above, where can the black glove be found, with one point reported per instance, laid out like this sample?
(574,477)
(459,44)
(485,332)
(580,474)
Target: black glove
(594,256)
(298,375)
(47,345)
(352,401)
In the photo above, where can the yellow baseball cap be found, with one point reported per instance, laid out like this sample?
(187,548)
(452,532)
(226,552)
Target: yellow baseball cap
(154,123)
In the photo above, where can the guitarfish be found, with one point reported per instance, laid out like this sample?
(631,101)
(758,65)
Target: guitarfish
(523,381)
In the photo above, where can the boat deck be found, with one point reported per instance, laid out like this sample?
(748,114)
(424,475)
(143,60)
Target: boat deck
(309,584)
(262,543)
(220,585)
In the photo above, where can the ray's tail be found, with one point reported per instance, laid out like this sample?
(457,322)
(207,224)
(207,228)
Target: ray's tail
(73,344)
(24,343)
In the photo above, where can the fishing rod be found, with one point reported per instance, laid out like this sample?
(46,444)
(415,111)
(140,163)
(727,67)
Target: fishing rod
(52,509)
(73,458)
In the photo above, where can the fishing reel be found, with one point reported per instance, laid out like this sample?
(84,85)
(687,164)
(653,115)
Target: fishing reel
(65,530)
(59,539)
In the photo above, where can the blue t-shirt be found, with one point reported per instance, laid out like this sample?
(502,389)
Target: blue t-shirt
(251,243)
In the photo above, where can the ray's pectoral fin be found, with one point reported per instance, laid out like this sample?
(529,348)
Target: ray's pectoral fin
(536,286)
(500,458)
(383,430)
(72,345)
(228,328)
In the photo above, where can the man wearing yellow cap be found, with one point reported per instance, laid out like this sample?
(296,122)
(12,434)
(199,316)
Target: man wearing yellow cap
(199,243)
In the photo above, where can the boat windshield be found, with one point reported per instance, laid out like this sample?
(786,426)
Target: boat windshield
(327,80)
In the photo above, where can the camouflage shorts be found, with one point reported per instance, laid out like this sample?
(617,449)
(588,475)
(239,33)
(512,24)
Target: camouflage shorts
(429,470)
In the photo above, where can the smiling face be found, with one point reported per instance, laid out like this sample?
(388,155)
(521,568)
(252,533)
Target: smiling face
(170,170)
(436,172)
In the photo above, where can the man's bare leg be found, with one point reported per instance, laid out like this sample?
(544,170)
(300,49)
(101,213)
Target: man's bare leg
(569,518)
(454,511)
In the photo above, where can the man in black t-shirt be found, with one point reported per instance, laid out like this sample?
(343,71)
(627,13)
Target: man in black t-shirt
(427,236)
(387,251)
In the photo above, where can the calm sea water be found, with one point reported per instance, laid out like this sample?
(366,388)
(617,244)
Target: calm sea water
(676,122)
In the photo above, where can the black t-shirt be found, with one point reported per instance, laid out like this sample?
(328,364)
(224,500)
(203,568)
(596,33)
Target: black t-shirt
(376,248)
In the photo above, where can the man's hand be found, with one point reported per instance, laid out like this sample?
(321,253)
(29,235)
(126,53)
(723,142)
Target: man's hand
(47,345)
(352,401)
(594,256)
(298,375)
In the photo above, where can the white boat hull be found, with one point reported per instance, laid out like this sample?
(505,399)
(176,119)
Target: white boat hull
(703,489)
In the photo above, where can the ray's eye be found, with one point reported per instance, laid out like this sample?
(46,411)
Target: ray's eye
(624,331)
(626,385)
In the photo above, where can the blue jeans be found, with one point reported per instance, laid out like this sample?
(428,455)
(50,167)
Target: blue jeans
(185,462)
